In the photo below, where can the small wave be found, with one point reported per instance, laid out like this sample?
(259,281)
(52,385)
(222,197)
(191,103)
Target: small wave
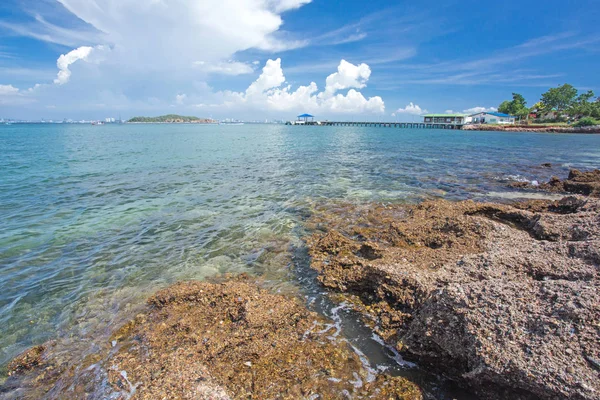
(395,355)
(371,372)
(511,178)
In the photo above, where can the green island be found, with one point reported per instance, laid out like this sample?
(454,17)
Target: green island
(170,119)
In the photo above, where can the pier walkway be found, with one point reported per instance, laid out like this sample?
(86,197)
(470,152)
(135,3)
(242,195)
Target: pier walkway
(409,125)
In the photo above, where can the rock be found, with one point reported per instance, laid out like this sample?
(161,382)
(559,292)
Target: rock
(595,362)
(27,361)
(578,182)
(220,340)
(502,298)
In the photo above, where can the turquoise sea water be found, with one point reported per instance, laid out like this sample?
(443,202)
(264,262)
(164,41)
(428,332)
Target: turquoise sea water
(95,218)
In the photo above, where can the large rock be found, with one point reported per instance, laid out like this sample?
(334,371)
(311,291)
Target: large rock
(503,299)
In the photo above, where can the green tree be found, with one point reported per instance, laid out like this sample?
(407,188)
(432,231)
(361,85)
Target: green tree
(582,107)
(596,108)
(517,106)
(505,107)
(538,107)
(560,98)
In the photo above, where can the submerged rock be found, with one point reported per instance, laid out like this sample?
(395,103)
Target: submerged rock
(27,361)
(231,339)
(503,299)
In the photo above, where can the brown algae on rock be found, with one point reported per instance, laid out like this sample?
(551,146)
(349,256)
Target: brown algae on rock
(503,299)
(230,339)
(30,359)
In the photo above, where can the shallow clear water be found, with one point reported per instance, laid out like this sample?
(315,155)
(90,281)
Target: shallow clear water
(94,218)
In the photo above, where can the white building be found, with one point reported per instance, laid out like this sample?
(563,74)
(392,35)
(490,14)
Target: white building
(492,118)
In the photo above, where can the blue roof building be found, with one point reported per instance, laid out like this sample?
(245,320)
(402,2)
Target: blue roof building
(305,117)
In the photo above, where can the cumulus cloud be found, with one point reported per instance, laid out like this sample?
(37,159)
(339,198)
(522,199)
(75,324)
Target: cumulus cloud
(208,30)
(269,92)
(131,51)
(347,76)
(411,109)
(476,110)
(146,39)
(271,77)
(8,90)
(65,60)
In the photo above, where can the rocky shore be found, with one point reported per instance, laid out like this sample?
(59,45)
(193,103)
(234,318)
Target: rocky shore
(504,299)
(532,128)
(200,340)
(585,183)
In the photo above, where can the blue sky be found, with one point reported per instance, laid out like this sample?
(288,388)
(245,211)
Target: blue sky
(101,58)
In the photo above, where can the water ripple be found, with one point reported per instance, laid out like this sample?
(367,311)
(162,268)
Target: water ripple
(96,218)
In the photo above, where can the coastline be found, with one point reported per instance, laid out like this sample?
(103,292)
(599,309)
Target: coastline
(222,339)
(174,123)
(529,128)
(501,298)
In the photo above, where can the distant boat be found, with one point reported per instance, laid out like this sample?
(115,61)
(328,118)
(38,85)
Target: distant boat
(97,123)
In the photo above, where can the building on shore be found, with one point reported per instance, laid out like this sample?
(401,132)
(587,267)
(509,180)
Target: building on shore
(446,119)
(492,118)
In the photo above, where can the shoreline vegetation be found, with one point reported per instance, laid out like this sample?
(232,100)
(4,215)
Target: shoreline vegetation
(550,128)
(560,104)
(503,299)
(171,119)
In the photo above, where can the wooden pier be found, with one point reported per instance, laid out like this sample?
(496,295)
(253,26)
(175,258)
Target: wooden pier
(405,125)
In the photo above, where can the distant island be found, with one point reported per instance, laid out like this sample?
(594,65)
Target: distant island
(171,119)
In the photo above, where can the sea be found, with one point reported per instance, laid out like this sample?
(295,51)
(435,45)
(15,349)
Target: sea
(94,219)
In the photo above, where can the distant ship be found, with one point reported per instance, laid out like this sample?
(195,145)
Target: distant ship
(97,123)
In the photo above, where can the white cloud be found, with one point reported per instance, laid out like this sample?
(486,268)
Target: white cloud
(224,68)
(269,93)
(271,77)
(449,111)
(8,90)
(13,96)
(476,110)
(65,60)
(131,51)
(208,30)
(411,109)
(167,43)
(347,76)
(285,5)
